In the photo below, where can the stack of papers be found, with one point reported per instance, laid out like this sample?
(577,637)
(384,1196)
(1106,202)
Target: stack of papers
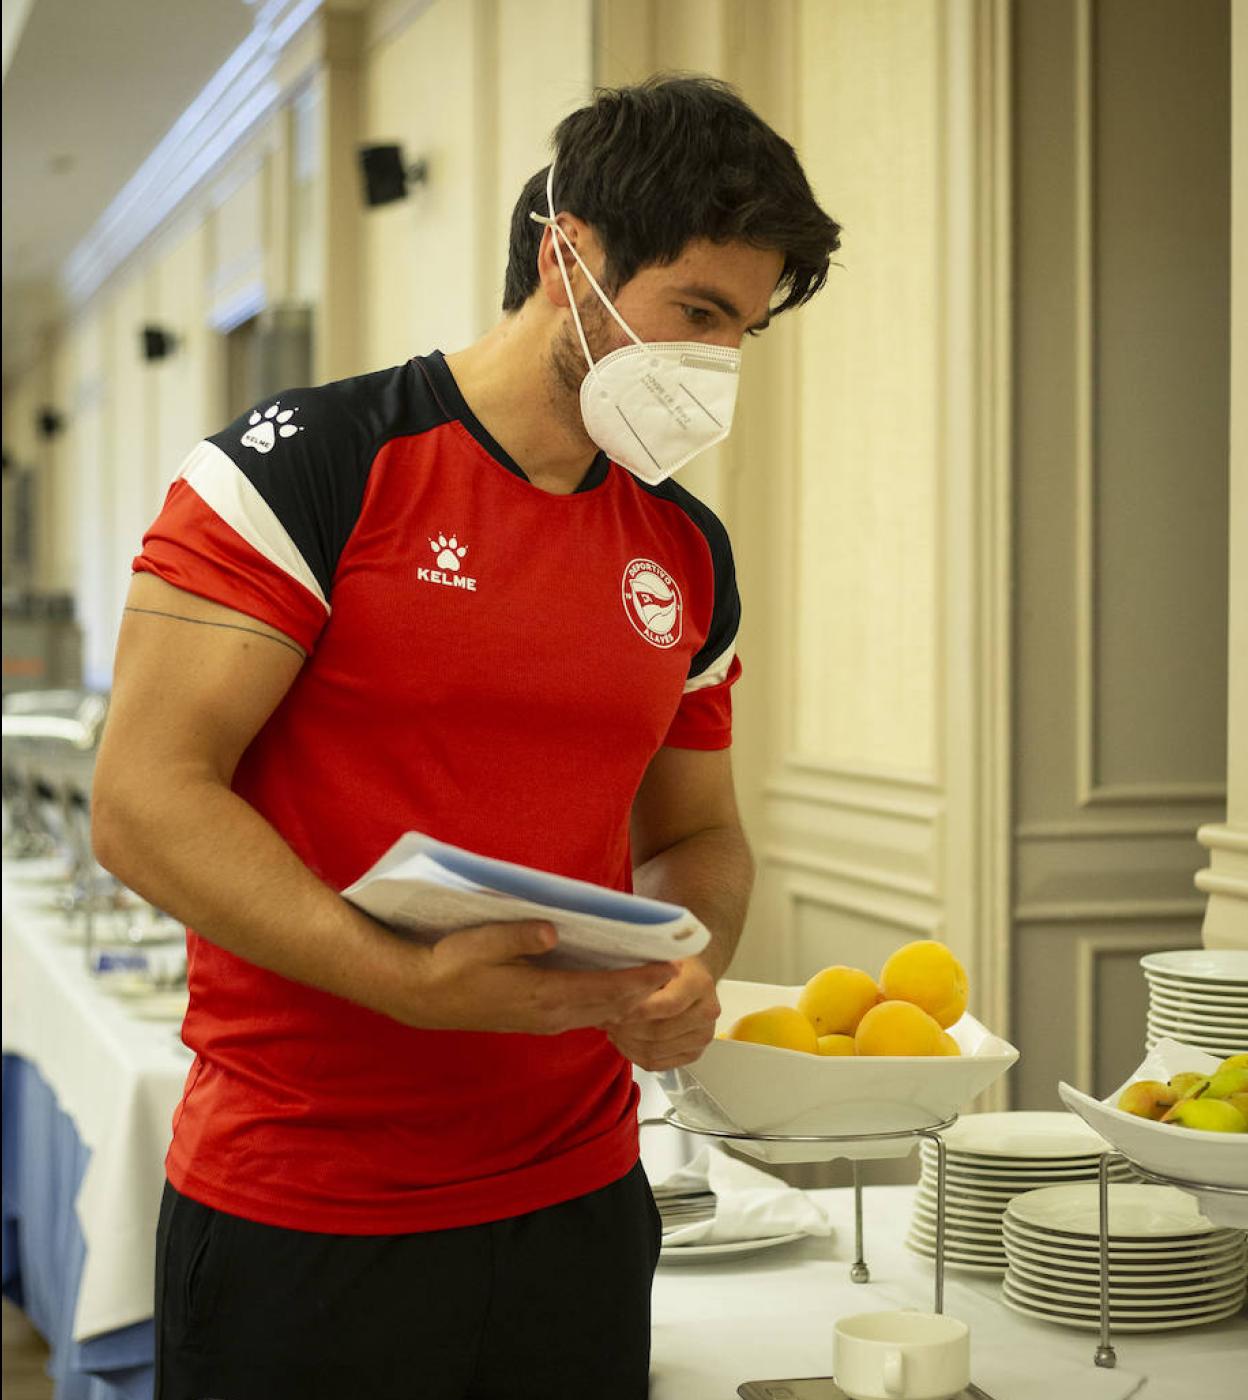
(426,888)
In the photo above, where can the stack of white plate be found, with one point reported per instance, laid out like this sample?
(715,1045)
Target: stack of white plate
(990,1158)
(1168,1266)
(1199,996)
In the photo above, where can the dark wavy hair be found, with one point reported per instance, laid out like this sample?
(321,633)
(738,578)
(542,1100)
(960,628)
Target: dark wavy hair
(675,158)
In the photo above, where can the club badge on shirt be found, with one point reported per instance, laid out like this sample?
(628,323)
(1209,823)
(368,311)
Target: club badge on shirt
(652,602)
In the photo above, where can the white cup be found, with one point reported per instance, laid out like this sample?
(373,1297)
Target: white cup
(901,1356)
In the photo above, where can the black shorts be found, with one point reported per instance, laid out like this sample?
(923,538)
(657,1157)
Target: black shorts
(554,1305)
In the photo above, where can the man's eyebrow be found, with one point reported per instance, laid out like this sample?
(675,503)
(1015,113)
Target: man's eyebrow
(719,300)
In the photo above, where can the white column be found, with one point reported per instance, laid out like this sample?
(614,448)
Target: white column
(1225,880)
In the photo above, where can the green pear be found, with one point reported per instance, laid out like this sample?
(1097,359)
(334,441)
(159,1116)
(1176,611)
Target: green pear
(1188,1084)
(1226,1082)
(1235,1062)
(1239,1101)
(1209,1115)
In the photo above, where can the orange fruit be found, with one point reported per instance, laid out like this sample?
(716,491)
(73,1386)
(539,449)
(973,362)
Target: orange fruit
(836,999)
(781,1026)
(927,973)
(837,1045)
(897,1028)
(948,1046)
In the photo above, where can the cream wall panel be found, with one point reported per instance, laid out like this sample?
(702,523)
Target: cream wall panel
(129,467)
(545,70)
(237,285)
(305,172)
(96,583)
(61,510)
(186,401)
(867,628)
(419,268)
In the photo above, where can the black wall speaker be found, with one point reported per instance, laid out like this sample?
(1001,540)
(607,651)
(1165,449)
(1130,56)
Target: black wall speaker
(49,422)
(158,344)
(386,178)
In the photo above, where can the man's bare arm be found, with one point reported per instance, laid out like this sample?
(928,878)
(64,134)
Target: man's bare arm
(194,683)
(688,848)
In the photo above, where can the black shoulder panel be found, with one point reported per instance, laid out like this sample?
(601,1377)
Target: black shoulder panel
(726,617)
(308,452)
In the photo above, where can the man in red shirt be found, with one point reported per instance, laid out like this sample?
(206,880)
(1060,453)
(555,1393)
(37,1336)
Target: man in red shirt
(461,596)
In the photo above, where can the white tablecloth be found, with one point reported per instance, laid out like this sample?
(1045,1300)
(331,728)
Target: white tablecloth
(762,1316)
(118,1078)
(769,1316)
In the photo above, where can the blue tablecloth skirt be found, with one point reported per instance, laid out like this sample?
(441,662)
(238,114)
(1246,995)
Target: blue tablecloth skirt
(44,1250)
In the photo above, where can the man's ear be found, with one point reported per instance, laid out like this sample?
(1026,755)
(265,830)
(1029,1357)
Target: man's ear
(548,274)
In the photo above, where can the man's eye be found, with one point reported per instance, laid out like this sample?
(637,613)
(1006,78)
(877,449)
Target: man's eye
(699,315)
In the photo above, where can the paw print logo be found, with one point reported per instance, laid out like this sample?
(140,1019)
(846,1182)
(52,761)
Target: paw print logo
(265,428)
(449,552)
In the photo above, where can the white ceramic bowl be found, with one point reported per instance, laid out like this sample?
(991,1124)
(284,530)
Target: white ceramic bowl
(1208,1159)
(737,1086)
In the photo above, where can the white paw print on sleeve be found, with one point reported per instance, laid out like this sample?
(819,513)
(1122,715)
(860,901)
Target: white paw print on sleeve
(449,552)
(265,428)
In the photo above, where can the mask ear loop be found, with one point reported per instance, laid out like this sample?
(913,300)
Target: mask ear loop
(550,222)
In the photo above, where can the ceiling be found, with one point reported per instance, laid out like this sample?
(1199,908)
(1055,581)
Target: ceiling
(89,90)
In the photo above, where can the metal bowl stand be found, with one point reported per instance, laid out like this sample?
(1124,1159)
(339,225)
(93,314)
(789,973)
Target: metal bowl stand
(825,1387)
(1105,1354)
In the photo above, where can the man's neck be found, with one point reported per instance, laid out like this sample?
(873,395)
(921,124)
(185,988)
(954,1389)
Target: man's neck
(505,380)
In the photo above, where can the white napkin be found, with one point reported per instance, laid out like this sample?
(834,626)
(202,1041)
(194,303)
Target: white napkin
(749,1204)
(1010,1372)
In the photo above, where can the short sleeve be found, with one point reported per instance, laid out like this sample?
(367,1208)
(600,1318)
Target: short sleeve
(260,513)
(703,720)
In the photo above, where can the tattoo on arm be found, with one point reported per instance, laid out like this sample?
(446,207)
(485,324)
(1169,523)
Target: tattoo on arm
(230,626)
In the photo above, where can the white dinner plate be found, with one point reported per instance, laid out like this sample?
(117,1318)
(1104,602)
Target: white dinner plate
(1171,1253)
(1207,1026)
(1161,1324)
(1049,1294)
(1090,1267)
(1135,1290)
(1136,1212)
(1159,995)
(971,1209)
(1089,1240)
(1218,1046)
(974,1253)
(959,1229)
(1200,964)
(1072,1309)
(968,1265)
(729,1249)
(1008,1173)
(1216,1016)
(1043,1136)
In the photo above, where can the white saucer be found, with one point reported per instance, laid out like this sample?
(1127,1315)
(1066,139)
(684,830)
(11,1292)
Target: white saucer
(1155,1286)
(970,1264)
(704,1253)
(1135,1212)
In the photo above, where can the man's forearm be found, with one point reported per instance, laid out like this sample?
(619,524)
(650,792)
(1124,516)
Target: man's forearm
(712,874)
(208,858)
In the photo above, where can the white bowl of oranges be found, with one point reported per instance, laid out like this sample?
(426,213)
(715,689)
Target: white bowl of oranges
(845,1054)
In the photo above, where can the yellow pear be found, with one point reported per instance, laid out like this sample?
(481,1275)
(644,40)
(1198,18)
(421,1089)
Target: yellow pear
(1188,1083)
(1226,1082)
(1209,1115)
(1147,1098)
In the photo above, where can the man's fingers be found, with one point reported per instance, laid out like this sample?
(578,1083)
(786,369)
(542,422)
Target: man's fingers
(496,943)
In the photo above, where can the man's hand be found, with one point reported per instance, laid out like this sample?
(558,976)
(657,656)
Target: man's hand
(674,1025)
(484,979)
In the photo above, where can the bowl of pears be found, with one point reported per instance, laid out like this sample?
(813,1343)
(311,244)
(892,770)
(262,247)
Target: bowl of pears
(1182,1114)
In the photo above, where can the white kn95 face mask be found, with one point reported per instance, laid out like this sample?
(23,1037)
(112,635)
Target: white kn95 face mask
(649,407)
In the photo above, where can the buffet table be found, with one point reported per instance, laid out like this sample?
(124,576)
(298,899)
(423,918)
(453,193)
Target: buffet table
(89,1095)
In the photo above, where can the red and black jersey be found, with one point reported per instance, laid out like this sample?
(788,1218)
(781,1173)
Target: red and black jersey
(488,663)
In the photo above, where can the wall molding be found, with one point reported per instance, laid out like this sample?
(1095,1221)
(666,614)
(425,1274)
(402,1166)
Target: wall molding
(854,799)
(872,876)
(1095,911)
(1159,829)
(1088,954)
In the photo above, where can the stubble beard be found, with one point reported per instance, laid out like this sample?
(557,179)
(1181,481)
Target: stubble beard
(565,361)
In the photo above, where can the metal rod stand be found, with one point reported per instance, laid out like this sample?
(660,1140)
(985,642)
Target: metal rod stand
(1105,1353)
(858,1273)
